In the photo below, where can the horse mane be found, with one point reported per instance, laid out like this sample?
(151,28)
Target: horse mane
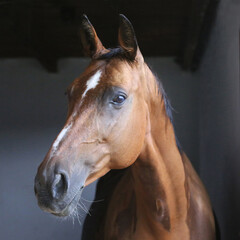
(117,52)
(168,107)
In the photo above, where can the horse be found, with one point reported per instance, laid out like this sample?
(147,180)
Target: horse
(119,129)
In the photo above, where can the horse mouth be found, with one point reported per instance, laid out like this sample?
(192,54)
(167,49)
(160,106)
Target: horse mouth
(71,207)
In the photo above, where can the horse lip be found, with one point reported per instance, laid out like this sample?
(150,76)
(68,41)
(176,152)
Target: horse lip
(64,212)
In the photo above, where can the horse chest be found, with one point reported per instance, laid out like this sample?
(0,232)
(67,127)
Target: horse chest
(124,222)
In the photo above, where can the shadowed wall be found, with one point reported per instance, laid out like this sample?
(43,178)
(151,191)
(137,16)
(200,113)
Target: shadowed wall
(219,112)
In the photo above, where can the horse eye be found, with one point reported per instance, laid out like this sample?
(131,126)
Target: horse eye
(119,99)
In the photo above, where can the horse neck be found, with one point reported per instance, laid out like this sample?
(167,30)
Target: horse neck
(158,172)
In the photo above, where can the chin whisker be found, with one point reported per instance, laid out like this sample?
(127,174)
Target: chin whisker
(80,223)
(92,201)
(76,215)
(83,207)
(73,218)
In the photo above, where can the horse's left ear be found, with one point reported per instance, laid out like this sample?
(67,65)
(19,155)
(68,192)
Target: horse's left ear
(127,39)
(91,44)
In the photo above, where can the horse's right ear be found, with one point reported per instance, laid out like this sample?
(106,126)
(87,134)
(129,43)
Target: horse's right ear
(92,46)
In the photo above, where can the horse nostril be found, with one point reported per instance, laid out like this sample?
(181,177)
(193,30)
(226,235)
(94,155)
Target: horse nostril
(59,186)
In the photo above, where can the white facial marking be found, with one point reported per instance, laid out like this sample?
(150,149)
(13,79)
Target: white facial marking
(60,137)
(92,82)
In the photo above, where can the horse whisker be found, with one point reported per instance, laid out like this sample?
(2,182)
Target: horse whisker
(92,201)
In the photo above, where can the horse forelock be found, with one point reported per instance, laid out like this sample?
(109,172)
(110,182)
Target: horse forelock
(113,53)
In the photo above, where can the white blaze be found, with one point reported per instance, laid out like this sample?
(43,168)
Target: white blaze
(60,137)
(92,82)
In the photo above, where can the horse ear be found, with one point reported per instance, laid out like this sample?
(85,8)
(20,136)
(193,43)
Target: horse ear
(126,38)
(91,44)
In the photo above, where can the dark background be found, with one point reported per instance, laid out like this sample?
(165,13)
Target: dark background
(206,103)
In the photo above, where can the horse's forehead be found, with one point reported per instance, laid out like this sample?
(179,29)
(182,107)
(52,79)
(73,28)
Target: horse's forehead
(90,78)
(102,74)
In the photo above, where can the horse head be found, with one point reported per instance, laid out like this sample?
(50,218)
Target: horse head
(106,122)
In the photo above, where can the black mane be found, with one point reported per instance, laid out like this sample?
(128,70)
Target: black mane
(117,52)
(168,108)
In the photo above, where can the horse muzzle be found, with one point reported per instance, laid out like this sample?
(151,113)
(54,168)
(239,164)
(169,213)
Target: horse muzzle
(57,192)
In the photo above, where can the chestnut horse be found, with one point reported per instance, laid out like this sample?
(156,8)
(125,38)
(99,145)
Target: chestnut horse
(119,118)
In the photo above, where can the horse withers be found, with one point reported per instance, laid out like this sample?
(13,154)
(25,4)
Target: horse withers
(119,118)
